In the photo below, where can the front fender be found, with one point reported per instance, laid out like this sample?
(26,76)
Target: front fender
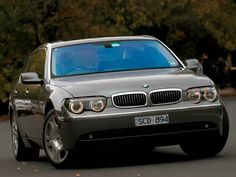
(57,95)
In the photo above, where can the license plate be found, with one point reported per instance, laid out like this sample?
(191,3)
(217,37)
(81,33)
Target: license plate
(152,120)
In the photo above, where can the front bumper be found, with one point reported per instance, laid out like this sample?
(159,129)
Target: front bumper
(119,125)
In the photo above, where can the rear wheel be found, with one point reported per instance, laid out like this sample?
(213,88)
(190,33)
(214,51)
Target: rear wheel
(207,146)
(21,153)
(53,146)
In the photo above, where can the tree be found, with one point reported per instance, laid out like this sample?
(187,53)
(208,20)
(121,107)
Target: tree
(189,27)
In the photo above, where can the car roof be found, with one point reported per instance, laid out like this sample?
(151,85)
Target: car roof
(100,39)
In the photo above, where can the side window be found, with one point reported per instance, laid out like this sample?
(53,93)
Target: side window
(41,63)
(36,62)
(31,64)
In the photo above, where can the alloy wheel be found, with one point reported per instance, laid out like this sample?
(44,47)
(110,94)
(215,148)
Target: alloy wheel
(14,136)
(52,141)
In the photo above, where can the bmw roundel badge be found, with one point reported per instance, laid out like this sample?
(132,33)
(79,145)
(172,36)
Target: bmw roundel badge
(145,85)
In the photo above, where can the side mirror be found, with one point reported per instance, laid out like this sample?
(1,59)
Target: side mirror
(194,65)
(31,78)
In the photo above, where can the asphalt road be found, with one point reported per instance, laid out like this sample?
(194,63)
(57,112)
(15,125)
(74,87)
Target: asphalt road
(163,162)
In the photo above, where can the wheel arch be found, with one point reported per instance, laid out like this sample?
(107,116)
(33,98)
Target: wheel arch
(55,100)
(48,107)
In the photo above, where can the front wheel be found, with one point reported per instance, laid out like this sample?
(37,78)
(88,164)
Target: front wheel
(207,146)
(52,142)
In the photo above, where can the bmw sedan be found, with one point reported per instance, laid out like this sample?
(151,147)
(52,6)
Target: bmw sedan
(129,89)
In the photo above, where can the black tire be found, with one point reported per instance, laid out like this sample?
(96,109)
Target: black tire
(207,146)
(21,153)
(57,156)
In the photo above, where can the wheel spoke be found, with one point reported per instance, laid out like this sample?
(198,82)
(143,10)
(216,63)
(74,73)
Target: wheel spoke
(50,144)
(14,129)
(58,154)
(52,129)
(53,125)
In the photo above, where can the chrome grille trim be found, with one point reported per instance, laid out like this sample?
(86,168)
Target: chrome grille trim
(129,97)
(166,96)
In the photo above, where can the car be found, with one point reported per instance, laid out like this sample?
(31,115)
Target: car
(129,90)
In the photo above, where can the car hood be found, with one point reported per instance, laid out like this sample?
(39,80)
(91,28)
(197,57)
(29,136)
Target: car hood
(106,84)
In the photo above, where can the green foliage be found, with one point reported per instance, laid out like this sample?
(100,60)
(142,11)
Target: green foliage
(187,26)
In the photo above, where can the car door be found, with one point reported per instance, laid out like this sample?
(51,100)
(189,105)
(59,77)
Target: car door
(32,118)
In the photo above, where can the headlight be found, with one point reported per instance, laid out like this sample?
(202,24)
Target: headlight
(78,105)
(210,94)
(197,95)
(97,105)
(194,95)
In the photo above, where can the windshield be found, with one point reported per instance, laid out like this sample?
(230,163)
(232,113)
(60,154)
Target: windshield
(110,57)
